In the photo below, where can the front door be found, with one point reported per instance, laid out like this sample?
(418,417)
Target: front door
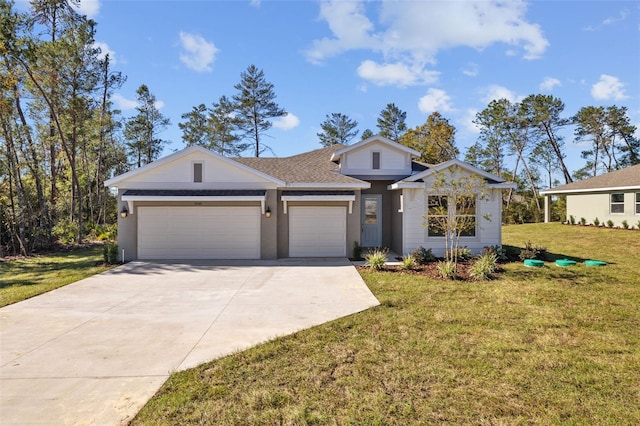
(371,220)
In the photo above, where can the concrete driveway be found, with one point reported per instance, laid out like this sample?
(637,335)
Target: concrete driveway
(93,352)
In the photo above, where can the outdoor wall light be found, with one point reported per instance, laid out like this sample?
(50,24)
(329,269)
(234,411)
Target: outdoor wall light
(124,212)
(267,212)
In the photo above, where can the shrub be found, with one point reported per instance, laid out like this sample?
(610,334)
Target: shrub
(625,224)
(408,262)
(596,221)
(572,220)
(423,256)
(463,253)
(65,231)
(532,252)
(357,250)
(583,221)
(376,259)
(638,224)
(447,270)
(610,223)
(110,253)
(107,232)
(483,267)
(499,252)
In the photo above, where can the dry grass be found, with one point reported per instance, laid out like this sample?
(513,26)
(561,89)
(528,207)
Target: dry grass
(536,346)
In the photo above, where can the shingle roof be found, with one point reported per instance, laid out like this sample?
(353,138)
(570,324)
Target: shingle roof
(625,178)
(309,167)
(195,192)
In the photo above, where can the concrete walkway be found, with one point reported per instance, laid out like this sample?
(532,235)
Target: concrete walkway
(93,352)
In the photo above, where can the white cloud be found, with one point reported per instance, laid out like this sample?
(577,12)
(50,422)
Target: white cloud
(470,70)
(255,3)
(496,92)
(287,122)
(467,121)
(435,100)
(123,103)
(609,87)
(549,83)
(398,74)
(91,8)
(412,32)
(104,50)
(198,54)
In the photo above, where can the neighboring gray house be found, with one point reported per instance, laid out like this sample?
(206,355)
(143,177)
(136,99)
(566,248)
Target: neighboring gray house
(195,204)
(612,196)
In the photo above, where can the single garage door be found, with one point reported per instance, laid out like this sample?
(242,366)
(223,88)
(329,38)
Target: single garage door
(199,232)
(317,231)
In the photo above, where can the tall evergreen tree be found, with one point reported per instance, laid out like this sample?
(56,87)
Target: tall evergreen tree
(391,123)
(255,107)
(142,130)
(435,139)
(223,126)
(195,130)
(337,128)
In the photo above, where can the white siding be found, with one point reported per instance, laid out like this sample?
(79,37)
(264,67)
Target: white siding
(488,232)
(198,232)
(317,231)
(392,161)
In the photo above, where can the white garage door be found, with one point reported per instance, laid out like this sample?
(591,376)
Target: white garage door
(199,232)
(317,231)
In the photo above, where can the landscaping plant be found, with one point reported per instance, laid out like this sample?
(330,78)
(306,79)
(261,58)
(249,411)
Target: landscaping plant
(423,256)
(610,223)
(596,221)
(447,269)
(376,259)
(483,267)
(408,262)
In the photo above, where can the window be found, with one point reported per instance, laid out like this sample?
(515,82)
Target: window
(197,172)
(637,202)
(461,216)
(438,213)
(617,203)
(376,160)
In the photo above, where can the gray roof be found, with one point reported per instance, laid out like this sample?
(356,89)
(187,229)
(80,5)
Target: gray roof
(309,167)
(625,178)
(303,193)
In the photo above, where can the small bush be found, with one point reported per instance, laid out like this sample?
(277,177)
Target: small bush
(107,232)
(596,221)
(532,252)
(357,250)
(408,262)
(65,231)
(625,224)
(110,254)
(463,253)
(638,224)
(499,252)
(483,267)
(610,223)
(447,270)
(583,221)
(423,256)
(376,259)
(572,220)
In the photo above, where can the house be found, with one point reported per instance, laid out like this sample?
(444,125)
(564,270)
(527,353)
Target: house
(612,196)
(195,204)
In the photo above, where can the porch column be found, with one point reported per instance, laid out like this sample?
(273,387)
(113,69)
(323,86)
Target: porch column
(547,209)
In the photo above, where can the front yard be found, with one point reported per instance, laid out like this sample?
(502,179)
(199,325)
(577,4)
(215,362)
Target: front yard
(536,346)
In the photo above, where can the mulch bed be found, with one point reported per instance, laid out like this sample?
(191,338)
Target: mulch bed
(430,270)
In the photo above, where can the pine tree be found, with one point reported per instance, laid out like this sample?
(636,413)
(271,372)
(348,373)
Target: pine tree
(337,128)
(391,122)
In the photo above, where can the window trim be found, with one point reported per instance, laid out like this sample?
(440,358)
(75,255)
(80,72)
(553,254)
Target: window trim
(193,171)
(617,203)
(637,204)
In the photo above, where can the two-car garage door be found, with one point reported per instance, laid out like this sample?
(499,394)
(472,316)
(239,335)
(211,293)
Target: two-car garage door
(199,232)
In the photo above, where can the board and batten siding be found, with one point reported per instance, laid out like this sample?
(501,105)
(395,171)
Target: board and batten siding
(414,234)
(392,161)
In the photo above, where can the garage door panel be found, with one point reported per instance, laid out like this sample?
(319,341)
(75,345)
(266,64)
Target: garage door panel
(317,231)
(199,232)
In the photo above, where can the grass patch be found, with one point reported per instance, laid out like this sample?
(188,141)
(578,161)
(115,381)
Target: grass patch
(534,346)
(21,279)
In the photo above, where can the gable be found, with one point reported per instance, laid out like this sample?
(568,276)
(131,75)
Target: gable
(176,171)
(375,157)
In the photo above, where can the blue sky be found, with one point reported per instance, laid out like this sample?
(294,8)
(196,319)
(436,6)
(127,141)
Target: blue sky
(354,57)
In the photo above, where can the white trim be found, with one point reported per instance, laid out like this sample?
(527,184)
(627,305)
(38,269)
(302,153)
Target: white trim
(458,163)
(286,198)
(579,191)
(402,184)
(375,138)
(130,199)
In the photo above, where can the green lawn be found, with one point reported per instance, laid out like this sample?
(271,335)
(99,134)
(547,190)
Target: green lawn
(24,278)
(536,346)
